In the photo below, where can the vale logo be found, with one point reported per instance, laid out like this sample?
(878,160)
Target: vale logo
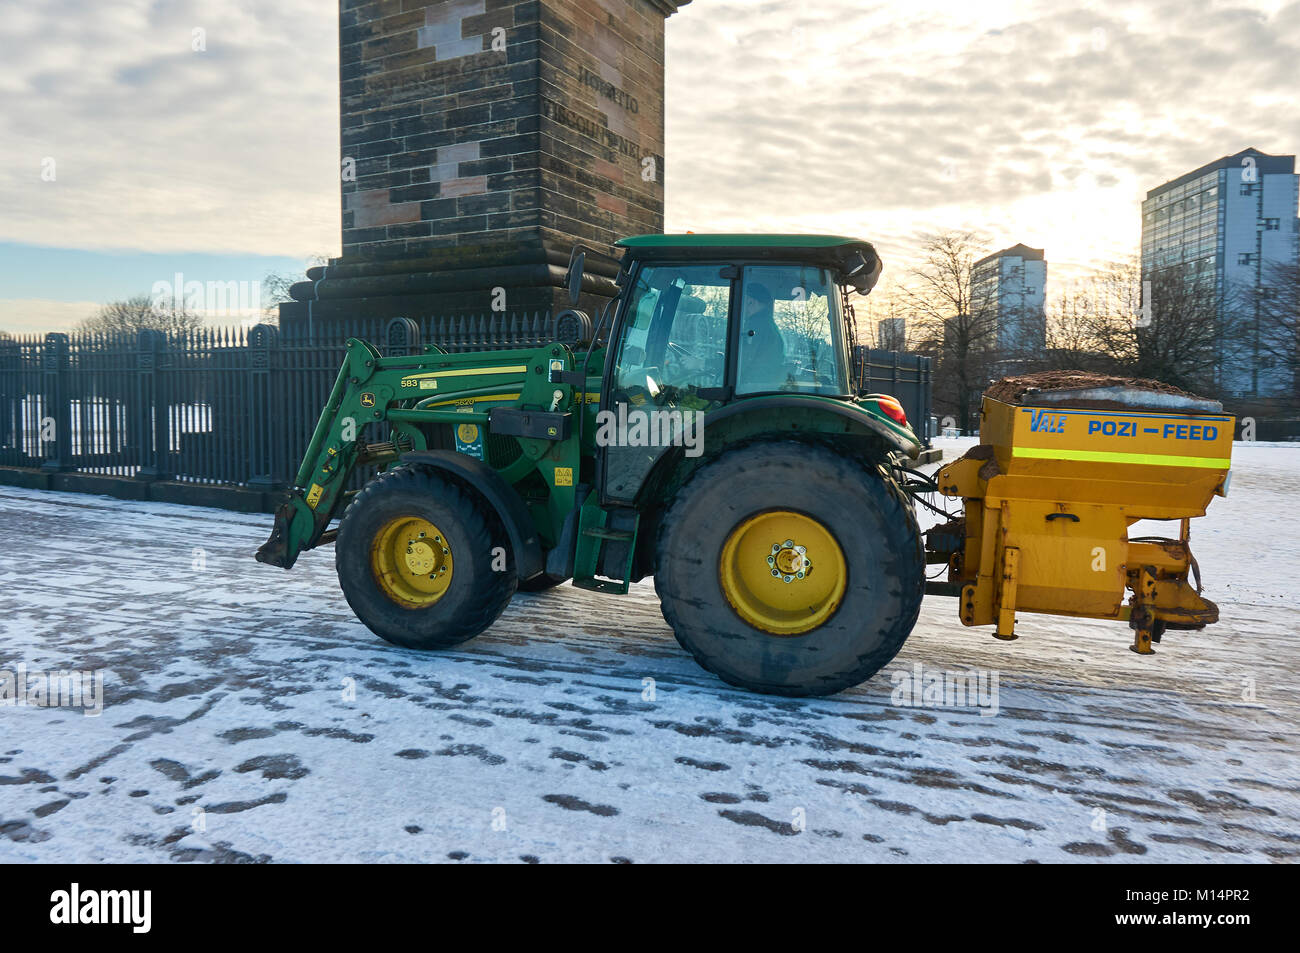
(1040,421)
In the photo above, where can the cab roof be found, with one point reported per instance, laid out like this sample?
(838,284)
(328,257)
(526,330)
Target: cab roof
(830,250)
(716,240)
(836,251)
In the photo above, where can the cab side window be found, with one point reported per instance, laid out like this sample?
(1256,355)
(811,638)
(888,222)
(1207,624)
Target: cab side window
(790,336)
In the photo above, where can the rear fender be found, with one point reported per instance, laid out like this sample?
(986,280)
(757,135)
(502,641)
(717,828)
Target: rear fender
(776,417)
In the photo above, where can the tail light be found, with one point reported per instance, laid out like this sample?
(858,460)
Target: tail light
(891,408)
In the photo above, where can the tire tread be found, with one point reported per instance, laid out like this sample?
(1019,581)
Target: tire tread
(480,523)
(900,516)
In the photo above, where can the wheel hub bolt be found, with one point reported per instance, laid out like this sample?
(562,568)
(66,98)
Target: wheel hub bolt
(788,561)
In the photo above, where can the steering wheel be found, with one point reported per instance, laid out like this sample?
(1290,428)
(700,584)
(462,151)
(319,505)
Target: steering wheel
(681,363)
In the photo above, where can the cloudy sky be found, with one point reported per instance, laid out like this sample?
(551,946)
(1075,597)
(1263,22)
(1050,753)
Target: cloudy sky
(1039,122)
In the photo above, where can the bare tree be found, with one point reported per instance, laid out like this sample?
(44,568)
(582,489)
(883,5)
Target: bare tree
(275,292)
(1167,327)
(883,322)
(1069,337)
(1090,327)
(140,313)
(1182,335)
(275,289)
(955,322)
(1278,299)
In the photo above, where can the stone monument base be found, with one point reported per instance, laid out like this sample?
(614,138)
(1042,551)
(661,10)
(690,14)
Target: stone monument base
(470,282)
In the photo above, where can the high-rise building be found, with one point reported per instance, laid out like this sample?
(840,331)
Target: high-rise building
(891,334)
(1227,224)
(1012,284)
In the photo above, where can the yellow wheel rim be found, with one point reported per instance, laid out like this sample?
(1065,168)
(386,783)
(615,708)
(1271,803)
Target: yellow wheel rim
(411,560)
(782,572)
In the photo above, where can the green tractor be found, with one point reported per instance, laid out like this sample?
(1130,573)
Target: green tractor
(711,437)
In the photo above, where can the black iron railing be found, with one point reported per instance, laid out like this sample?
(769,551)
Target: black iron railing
(237,406)
(901,375)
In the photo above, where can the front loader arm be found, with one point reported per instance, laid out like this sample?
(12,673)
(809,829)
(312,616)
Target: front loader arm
(402,392)
(302,519)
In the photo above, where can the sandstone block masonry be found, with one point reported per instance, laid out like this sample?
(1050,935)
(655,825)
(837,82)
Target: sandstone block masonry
(468,122)
(480,140)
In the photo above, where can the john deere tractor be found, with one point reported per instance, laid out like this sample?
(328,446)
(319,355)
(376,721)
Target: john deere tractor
(707,431)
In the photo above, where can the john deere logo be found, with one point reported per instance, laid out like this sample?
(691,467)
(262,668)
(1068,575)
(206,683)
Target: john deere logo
(367,400)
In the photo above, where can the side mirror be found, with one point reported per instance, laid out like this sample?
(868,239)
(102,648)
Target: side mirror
(862,272)
(576,262)
(863,283)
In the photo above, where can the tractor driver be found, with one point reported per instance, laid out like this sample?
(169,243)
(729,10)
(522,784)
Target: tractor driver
(762,351)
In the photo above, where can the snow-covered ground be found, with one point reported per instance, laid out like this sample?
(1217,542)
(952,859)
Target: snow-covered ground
(248,716)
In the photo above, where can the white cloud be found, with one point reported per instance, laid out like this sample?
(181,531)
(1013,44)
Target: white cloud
(161,147)
(1037,122)
(1043,122)
(40,316)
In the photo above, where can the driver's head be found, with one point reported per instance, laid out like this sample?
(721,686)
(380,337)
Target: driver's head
(758,300)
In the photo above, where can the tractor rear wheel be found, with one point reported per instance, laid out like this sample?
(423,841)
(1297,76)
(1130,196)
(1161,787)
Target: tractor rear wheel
(423,562)
(789,569)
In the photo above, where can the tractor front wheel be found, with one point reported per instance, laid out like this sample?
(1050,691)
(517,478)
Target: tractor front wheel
(422,561)
(789,569)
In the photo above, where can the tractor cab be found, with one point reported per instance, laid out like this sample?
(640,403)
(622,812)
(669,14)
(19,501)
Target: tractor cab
(703,323)
(712,317)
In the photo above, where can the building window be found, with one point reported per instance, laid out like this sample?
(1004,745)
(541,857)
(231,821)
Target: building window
(1247,188)
(1272,224)
(1245,258)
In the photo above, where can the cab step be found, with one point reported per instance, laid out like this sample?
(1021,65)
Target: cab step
(606,548)
(602,532)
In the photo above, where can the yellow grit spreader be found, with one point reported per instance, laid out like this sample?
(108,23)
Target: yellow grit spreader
(1051,491)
